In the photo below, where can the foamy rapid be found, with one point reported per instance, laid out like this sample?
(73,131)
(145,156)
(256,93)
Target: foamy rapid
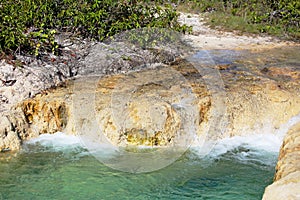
(266,142)
(242,146)
(58,141)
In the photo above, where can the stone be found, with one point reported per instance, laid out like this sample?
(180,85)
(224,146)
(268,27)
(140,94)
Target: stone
(286,188)
(287,178)
(143,108)
(148,107)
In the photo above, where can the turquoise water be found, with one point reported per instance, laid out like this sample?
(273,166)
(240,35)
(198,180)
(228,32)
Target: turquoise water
(49,171)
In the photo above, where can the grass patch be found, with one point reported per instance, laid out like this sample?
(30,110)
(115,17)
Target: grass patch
(229,22)
(277,18)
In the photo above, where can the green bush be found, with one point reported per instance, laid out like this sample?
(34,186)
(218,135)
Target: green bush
(29,26)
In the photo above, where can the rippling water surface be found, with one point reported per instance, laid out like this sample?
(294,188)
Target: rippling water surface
(58,167)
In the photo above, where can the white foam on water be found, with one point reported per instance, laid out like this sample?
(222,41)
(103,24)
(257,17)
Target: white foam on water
(57,140)
(265,142)
(61,142)
(257,149)
(258,146)
(249,147)
(102,150)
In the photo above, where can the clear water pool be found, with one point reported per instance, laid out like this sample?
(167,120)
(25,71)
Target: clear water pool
(52,168)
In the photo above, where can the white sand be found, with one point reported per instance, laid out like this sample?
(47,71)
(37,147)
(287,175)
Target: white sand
(204,37)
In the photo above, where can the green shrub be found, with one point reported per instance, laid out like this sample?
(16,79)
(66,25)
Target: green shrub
(29,26)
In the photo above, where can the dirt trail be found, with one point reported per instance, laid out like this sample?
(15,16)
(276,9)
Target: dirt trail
(206,38)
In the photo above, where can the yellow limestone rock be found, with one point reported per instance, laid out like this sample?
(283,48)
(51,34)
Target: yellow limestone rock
(287,179)
(287,188)
(148,107)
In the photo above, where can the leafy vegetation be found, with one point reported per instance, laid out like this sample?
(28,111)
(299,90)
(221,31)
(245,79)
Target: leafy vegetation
(276,17)
(29,26)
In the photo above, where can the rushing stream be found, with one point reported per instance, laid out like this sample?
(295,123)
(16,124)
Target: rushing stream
(59,166)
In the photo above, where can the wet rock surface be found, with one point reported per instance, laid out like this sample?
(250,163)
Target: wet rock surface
(257,100)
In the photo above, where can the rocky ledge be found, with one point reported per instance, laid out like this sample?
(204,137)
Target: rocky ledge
(153,106)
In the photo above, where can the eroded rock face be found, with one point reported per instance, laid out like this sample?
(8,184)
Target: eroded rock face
(13,129)
(49,117)
(152,107)
(155,106)
(287,179)
(289,155)
(260,107)
(43,114)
